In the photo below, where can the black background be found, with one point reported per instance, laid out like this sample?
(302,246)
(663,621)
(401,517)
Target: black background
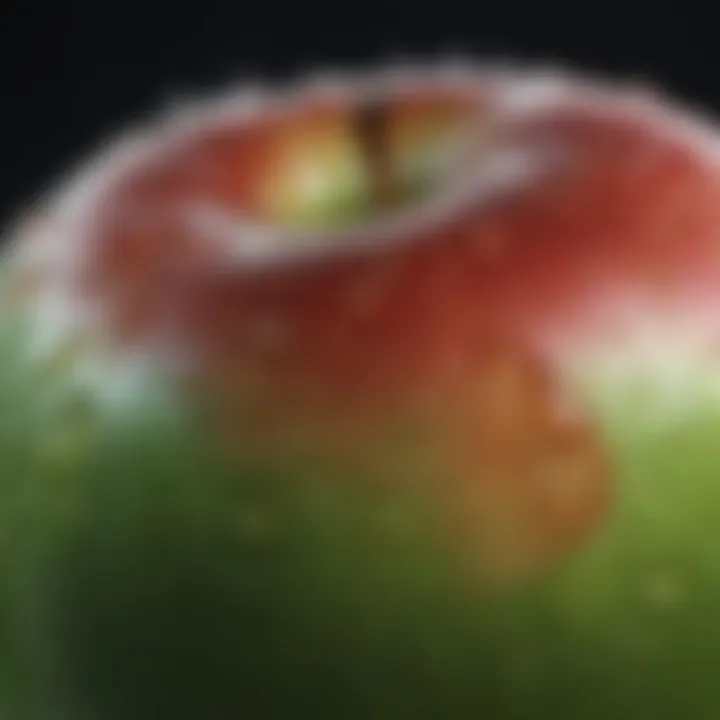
(73,72)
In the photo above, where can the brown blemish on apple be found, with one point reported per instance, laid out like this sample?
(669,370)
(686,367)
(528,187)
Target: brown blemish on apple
(529,484)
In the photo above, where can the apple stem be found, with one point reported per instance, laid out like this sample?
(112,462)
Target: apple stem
(372,123)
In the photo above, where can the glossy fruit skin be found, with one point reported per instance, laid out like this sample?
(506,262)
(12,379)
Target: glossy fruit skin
(160,571)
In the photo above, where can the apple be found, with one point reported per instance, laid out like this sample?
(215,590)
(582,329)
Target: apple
(388,395)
